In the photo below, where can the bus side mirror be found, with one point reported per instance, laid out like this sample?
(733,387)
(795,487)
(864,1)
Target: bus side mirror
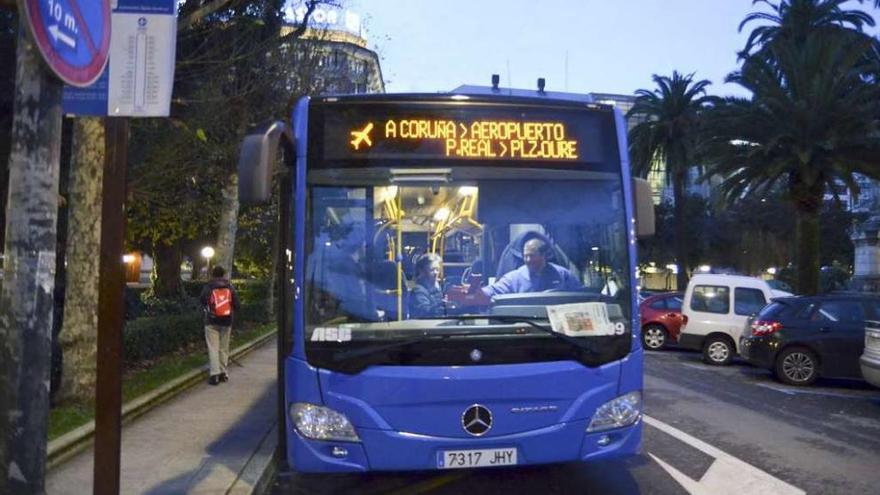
(257,158)
(644,206)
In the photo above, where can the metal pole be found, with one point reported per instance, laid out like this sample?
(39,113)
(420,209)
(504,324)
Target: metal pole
(108,396)
(26,298)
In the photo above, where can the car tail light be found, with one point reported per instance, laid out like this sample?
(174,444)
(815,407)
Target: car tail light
(761,328)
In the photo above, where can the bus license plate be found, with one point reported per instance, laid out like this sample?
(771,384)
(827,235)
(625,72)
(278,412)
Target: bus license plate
(455,459)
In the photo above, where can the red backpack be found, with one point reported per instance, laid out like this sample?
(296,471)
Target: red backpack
(220,302)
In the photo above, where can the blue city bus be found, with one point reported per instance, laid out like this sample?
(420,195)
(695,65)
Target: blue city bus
(458,281)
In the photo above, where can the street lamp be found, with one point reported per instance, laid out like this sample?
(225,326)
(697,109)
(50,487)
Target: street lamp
(208,253)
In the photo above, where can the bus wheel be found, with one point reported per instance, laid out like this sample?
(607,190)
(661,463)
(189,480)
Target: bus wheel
(718,350)
(653,337)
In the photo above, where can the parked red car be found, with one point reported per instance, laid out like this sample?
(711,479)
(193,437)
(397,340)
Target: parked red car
(661,319)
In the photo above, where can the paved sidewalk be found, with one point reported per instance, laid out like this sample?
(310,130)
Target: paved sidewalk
(210,439)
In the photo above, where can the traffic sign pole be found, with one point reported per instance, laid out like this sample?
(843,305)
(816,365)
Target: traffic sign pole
(108,396)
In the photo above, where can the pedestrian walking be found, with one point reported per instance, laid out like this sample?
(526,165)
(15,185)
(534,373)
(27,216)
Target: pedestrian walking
(220,303)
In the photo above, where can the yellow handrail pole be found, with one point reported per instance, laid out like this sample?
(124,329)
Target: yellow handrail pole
(442,255)
(399,256)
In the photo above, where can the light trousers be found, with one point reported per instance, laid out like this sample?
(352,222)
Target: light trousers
(217,338)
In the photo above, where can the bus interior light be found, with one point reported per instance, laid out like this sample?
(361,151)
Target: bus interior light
(388,193)
(442,214)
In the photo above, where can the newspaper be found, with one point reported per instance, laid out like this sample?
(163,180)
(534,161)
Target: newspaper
(582,319)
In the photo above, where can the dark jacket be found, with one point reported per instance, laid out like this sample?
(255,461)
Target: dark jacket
(210,319)
(425,301)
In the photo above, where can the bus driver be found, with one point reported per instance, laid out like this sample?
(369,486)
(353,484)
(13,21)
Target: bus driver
(536,275)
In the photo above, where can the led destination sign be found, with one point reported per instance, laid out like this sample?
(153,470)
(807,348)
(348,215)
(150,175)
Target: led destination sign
(455,133)
(485,138)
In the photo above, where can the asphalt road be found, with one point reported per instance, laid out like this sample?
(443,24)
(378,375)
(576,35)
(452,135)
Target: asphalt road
(708,430)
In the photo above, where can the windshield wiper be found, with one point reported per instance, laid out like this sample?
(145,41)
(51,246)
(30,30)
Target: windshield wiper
(366,351)
(530,322)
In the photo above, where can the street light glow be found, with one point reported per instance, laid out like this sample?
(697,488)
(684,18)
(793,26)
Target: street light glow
(208,252)
(127,258)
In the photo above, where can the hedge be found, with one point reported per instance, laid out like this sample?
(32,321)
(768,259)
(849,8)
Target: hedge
(166,326)
(155,336)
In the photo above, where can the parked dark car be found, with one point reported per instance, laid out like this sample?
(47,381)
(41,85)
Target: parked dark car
(803,338)
(661,319)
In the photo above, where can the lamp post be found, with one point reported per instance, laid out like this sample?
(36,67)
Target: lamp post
(208,253)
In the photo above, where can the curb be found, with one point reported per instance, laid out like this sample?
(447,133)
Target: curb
(258,473)
(75,441)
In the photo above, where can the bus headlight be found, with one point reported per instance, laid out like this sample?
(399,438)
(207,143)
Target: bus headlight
(622,411)
(322,423)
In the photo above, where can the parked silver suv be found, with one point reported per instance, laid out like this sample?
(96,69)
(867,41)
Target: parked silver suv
(870,359)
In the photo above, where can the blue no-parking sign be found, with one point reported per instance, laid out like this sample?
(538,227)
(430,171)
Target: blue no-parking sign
(72,35)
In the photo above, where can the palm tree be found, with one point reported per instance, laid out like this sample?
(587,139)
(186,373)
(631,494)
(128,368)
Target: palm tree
(793,21)
(668,135)
(812,122)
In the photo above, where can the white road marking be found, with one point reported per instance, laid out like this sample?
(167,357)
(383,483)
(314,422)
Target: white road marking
(695,366)
(730,370)
(727,475)
(794,391)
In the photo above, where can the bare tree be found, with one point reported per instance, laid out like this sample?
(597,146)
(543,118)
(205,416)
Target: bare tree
(79,330)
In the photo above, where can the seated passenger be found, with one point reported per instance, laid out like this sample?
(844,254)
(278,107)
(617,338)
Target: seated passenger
(536,275)
(426,298)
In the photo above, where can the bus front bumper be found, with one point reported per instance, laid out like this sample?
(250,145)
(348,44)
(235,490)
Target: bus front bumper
(383,450)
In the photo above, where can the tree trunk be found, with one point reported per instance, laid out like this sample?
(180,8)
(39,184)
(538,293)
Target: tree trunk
(228,226)
(681,247)
(79,333)
(26,298)
(808,202)
(198,261)
(167,266)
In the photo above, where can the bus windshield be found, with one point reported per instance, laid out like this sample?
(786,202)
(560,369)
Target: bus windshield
(422,264)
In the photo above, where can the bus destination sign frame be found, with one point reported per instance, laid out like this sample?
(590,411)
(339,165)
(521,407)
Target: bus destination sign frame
(468,133)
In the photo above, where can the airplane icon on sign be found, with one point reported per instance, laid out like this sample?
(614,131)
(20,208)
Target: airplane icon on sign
(362,136)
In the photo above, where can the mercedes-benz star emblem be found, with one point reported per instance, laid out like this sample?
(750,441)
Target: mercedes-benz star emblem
(476,420)
(476,355)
